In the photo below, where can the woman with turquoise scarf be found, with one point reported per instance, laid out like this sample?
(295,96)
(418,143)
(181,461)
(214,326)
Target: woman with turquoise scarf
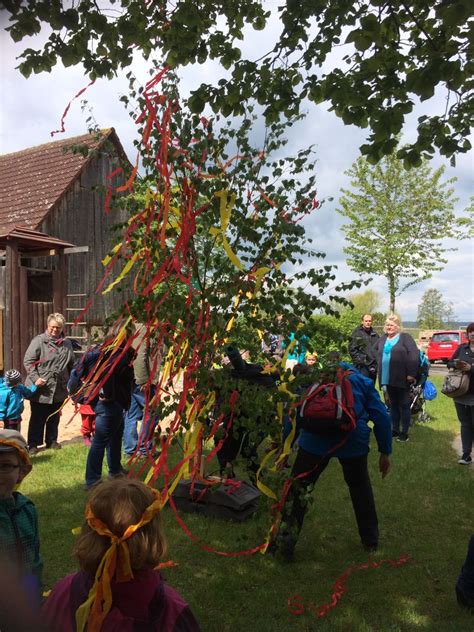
(398,359)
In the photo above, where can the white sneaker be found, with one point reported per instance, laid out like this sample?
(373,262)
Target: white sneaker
(465,460)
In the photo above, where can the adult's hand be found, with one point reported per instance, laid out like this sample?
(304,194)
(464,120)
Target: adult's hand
(384,464)
(40,382)
(462,365)
(411,379)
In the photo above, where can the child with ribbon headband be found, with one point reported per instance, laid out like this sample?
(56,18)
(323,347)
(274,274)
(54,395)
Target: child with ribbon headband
(19,534)
(118,588)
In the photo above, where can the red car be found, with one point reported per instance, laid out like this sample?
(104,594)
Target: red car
(443,344)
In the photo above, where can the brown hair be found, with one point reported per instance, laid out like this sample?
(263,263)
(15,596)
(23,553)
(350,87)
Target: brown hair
(470,327)
(119,503)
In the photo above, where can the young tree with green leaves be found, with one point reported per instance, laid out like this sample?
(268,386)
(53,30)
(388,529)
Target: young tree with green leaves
(395,54)
(365,302)
(433,311)
(398,221)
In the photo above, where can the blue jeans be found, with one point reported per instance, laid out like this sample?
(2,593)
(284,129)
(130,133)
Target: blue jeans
(399,409)
(107,438)
(131,440)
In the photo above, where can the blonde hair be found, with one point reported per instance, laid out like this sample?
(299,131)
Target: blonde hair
(393,318)
(59,318)
(119,503)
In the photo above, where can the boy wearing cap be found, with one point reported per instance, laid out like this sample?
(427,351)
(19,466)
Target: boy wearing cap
(19,534)
(12,396)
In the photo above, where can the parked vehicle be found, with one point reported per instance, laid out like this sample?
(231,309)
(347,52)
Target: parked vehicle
(443,344)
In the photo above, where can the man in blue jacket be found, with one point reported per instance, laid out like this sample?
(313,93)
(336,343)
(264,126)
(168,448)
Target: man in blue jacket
(314,453)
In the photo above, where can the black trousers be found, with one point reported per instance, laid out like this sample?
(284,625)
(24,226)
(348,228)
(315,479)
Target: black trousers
(357,479)
(43,415)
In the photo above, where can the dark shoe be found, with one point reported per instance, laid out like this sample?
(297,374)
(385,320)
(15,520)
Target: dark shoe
(402,438)
(370,548)
(122,472)
(465,460)
(54,445)
(395,433)
(33,450)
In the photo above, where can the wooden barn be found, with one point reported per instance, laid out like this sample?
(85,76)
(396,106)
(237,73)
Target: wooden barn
(54,233)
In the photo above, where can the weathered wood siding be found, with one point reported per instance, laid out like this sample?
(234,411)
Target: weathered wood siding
(80,218)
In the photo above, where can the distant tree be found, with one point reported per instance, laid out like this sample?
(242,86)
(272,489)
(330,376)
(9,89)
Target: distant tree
(398,221)
(365,302)
(433,311)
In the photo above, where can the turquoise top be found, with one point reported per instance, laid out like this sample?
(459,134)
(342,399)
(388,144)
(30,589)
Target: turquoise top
(387,352)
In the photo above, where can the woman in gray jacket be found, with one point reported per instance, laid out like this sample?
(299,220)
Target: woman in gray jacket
(51,357)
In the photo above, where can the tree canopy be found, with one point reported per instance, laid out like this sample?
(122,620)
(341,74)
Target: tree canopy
(394,54)
(398,221)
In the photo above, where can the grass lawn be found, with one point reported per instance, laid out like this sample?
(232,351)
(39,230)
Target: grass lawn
(425,511)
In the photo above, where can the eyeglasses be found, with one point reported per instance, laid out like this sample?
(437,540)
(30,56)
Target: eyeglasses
(6,468)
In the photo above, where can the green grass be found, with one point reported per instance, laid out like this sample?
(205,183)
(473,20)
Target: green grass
(424,508)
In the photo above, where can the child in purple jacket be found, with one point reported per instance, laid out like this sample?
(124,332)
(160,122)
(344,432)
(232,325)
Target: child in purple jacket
(118,587)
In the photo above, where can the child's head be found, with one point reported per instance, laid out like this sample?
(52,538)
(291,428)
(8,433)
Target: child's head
(311,359)
(119,503)
(12,377)
(14,461)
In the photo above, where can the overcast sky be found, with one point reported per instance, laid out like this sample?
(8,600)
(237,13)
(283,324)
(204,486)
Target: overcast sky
(31,109)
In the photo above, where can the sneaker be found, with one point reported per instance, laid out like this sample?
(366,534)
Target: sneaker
(465,460)
(33,450)
(87,440)
(395,433)
(402,438)
(54,445)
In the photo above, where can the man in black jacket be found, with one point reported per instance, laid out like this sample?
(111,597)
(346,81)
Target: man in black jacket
(361,348)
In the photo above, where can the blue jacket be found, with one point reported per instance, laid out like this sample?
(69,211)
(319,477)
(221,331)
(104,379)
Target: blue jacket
(11,399)
(368,406)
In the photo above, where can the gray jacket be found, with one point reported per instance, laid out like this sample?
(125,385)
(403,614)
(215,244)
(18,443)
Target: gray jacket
(52,360)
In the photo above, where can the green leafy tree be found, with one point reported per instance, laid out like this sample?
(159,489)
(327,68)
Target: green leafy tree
(395,54)
(365,302)
(433,311)
(398,220)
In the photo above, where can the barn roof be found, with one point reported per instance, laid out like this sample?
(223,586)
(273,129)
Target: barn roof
(33,180)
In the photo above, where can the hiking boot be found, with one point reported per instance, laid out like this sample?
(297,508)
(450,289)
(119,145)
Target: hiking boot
(54,445)
(465,460)
(402,438)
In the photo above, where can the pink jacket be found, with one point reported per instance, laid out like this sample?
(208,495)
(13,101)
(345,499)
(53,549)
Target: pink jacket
(145,603)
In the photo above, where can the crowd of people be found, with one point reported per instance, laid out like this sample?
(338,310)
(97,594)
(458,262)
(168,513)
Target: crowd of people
(121,544)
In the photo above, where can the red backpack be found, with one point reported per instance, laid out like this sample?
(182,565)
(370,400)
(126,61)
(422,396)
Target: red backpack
(329,406)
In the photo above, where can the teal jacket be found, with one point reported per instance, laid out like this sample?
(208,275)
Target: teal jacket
(19,536)
(11,399)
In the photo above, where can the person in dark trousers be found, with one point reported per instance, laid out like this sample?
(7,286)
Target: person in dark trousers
(465,582)
(314,454)
(109,405)
(463,360)
(399,361)
(49,356)
(361,348)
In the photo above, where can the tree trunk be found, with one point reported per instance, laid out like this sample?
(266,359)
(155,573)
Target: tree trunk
(391,290)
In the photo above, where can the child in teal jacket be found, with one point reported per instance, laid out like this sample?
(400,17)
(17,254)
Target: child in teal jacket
(12,396)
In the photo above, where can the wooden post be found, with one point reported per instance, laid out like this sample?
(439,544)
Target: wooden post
(12,307)
(59,283)
(24,317)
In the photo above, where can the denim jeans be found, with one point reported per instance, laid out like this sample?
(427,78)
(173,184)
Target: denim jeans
(466,419)
(356,476)
(399,408)
(107,438)
(131,439)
